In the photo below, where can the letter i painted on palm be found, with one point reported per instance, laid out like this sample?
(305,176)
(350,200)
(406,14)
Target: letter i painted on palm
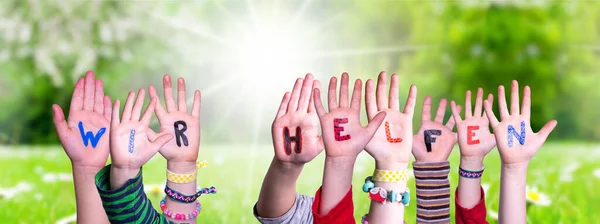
(513,132)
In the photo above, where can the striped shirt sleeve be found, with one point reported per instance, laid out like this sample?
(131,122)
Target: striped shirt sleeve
(433,191)
(129,203)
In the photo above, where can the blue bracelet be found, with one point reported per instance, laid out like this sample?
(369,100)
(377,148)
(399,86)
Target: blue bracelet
(381,195)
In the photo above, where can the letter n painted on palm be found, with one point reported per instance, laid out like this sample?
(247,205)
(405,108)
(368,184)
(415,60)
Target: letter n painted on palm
(512,132)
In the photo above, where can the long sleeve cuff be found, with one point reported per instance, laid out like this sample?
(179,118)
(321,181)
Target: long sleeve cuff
(127,204)
(342,213)
(433,191)
(475,215)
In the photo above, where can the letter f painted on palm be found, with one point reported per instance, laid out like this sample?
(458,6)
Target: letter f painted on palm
(89,136)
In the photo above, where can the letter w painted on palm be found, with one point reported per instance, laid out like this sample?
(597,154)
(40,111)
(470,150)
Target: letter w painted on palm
(89,136)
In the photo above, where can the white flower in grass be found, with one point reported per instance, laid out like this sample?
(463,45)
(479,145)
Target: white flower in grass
(566,174)
(154,190)
(536,197)
(55,177)
(597,173)
(11,192)
(493,214)
(38,196)
(68,219)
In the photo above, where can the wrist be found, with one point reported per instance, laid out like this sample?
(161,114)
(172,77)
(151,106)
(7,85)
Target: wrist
(340,160)
(471,162)
(123,172)
(288,166)
(181,166)
(515,168)
(389,165)
(85,170)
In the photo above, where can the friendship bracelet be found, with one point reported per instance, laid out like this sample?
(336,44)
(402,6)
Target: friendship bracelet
(470,173)
(381,195)
(392,176)
(179,197)
(179,216)
(185,178)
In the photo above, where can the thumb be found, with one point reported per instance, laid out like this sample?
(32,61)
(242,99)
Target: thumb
(546,130)
(374,124)
(161,141)
(58,117)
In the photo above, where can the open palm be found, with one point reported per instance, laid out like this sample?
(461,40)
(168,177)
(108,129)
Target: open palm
(392,140)
(297,112)
(474,137)
(90,113)
(438,136)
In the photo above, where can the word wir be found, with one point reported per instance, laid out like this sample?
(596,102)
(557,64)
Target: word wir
(180,127)
(289,139)
(89,136)
(428,135)
(512,132)
(337,129)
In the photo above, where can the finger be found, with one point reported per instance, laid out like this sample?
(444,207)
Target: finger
(89,91)
(283,105)
(77,98)
(158,109)
(160,142)
(168,91)
(196,104)
(514,98)
(139,104)
(59,120)
(318,104)
(455,112)
(526,108)
(331,94)
(374,124)
(99,97)
(426,113)
(115,121)
(148,113)
(441,111)
(394,92)
(293,104)
(370,101)
(311,104)
(452,121)
(181,104)
(478,103)
(502,103)
(344,90)
(356,95)
(411,101)
(152,136)
(468,109)
(487,105)
(307,87)
(128,107)
(546,130)
(382,103)
(107,108)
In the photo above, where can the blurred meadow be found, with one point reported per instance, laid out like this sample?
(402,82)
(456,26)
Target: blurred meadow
(243,55)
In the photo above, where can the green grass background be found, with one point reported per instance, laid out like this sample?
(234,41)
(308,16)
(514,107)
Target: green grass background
(237,172)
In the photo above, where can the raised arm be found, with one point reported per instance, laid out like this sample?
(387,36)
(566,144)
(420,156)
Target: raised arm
(344,138)
(181,152)
(517,144)
(475,141)
(131,146)
(390,147)
(84,137)
(296,141)
(431,147)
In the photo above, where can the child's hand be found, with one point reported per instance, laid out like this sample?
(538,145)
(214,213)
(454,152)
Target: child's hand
(343,135)
(85,136)
(184,127)
(297,112)
(474,137)
(131,145)
(391,144)
(434,141)
(516,141)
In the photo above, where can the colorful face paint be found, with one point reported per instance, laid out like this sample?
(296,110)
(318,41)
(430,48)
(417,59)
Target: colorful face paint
(337,129)
(512,132)
(470,134)
(428,135)
(180,127)
(389,135)
(131,140)
(296,139)
(89,136)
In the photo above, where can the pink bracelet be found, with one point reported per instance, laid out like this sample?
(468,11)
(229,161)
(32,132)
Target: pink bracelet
(179,216)
(364,219)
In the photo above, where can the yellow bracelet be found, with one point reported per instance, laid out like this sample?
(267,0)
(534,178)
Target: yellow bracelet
(185,178)
(392,176)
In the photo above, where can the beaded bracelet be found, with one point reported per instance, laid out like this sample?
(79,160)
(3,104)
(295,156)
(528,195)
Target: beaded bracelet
(179,197)
(185,178)
(381,195)
(393,176)
(365,221)
(470,173)
(179,216)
